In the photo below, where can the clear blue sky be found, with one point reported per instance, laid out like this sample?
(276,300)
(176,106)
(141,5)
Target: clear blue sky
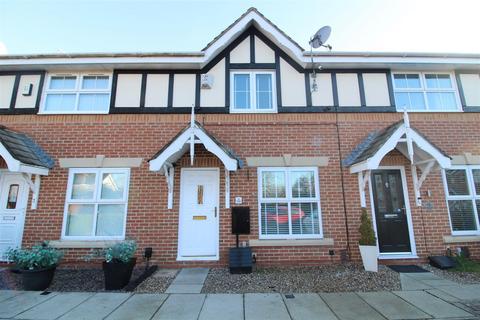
(52,26)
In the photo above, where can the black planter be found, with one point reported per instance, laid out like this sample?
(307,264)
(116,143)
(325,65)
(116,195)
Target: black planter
(37,280)
(117,274)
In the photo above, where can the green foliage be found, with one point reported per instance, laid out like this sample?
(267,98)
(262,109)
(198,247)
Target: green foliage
(121,251)
(39,257)
(367,235)
(465,265)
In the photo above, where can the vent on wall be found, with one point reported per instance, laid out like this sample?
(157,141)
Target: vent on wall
(206,81)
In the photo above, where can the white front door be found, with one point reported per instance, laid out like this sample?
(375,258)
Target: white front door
(199,214)
(13,202)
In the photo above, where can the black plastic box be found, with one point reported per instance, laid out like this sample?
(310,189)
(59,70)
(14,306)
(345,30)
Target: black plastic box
(240,260)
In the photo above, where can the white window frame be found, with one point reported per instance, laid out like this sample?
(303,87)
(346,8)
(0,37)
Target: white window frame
(423,89)
(95,201)
(253,92)
(289,199)
(77,91)
(472,197)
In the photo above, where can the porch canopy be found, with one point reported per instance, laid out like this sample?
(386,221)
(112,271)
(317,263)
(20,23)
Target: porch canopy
(21,154)
(422,154)
(163,161)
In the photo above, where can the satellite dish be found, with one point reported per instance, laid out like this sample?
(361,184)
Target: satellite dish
(320,37)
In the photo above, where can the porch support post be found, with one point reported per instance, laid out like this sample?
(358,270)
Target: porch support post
(34,187)
(408,137)
(227,189)
(169,173)
(418,182)
(363,178)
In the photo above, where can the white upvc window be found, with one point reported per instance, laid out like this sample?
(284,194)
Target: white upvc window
(425,91)
(289,203)
(77,93)
(252,92)
(462,189)
(96,204)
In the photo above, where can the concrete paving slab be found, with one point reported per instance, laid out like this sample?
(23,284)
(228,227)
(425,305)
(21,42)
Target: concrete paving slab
(97,307)
(438,283)
(7,294)
(442,295)
(432,305)
(56,306)
(138,307)
(222,307)
(184,288)
(22,302)
(349,306)
(409,283)
(265,306)
(308,306)
(191,276)
(462,292)
(423,276)
(391,306)
(181,307)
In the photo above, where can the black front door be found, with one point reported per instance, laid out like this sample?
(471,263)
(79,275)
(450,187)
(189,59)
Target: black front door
(390,212)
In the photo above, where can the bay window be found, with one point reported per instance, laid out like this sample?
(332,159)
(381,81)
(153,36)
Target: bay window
(96,204)
(289,203)
(462,189)
(77,93)
(252,91)
(425,92)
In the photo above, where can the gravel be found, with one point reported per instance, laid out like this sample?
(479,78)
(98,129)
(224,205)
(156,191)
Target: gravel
(83,280)
(460,277)
(328,278)
(158,282)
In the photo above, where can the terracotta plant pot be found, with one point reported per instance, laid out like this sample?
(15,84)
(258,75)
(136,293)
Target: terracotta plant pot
(37,279)
(369,258)
(118,274)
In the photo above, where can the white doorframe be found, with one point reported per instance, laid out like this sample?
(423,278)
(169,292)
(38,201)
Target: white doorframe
(413,247)
(217,225)
(22,201)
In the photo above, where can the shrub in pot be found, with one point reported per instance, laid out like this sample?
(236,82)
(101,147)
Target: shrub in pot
(36,265)
(368,243)
(118,264)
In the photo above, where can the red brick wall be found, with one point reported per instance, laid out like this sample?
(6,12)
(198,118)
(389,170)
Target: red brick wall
(152,224)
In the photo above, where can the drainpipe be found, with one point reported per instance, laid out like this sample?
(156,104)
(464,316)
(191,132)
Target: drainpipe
(349,254)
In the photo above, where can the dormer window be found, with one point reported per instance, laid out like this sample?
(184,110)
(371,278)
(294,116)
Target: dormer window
(252,92)
(77,93)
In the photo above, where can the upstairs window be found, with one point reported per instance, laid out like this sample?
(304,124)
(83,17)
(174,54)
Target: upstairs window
(462,187)
(425,92)
(77,93)
(252,91)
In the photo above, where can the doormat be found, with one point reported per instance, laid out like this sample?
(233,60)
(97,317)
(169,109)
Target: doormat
(407,269)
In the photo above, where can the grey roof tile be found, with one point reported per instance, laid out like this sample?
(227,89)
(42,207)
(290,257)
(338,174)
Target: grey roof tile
(22,148)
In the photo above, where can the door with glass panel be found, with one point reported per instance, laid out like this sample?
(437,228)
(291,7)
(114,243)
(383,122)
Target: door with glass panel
(13,202)
(390,212)
(96,205)
(198,228)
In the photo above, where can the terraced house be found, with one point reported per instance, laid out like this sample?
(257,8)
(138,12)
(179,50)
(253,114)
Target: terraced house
(160,147)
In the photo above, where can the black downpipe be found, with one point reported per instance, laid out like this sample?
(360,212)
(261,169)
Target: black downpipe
(343,184)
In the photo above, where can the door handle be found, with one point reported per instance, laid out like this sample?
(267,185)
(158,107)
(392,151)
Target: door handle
(215,212)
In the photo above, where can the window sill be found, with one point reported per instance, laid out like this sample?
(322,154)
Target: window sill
(461,239)
(291,242)
(77,244)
